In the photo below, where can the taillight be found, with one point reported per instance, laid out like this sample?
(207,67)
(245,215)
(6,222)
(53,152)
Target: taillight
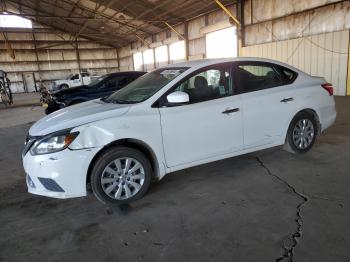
(328,87)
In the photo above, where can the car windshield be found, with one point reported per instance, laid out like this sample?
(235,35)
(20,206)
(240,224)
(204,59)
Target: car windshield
(146,86)
(96,80)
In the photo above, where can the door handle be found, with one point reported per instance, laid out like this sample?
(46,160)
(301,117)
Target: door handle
(230,110)
(286,100)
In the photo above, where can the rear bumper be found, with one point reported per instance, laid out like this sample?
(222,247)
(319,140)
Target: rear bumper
(328,122)
(328,114)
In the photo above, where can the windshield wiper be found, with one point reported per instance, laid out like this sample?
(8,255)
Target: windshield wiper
(117,101)
(104,99)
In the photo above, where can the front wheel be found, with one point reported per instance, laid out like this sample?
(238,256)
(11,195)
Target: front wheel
(121,175)
(302,133)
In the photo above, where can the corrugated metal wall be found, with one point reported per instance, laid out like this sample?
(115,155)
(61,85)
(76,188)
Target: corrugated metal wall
(196,39)
(323,55)
(51,63)
(312,35)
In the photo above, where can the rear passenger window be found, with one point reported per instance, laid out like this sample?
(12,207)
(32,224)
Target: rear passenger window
(254,76)
(288,76)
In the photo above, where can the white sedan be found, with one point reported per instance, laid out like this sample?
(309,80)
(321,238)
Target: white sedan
(175,117)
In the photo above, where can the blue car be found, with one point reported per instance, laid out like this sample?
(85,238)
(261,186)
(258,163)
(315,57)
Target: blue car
(99,87)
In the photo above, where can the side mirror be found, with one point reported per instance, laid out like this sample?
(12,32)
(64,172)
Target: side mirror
(178,97)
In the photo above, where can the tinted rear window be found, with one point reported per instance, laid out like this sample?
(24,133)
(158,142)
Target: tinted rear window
(288,76)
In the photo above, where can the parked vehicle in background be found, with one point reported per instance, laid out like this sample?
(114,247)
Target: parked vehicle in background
(73,80)
(5,89)
(99,87)
(175,117)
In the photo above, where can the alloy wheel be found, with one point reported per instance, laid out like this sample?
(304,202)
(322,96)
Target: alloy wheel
(303,133)
(122,178)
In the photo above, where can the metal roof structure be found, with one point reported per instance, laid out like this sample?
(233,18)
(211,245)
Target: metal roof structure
(112,22)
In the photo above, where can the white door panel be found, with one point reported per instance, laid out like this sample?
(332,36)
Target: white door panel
(266,114)
(201,130)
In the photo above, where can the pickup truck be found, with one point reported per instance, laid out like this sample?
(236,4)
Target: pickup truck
(73,80)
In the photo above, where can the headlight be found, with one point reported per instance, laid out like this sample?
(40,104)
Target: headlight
(53,143)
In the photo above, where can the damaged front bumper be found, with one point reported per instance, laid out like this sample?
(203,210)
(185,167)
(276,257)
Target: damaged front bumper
(59,175)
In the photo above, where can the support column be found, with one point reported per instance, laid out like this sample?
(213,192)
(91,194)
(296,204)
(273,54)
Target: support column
(37,62)
(348,78)
(118,60)
(78,58)
(240,29)
(187,42)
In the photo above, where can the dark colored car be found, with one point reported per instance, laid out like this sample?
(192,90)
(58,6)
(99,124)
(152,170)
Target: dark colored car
(99,87)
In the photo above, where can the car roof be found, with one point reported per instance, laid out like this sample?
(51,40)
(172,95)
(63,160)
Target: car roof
(207,62)
(126,73)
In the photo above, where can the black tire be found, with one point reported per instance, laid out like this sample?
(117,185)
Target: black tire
(293,146)
(63,86)
(105,159)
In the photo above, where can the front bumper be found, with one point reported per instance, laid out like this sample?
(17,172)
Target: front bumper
(58,175)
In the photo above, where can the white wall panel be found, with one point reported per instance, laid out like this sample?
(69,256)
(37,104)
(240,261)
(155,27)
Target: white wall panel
(324,55)
(197,47)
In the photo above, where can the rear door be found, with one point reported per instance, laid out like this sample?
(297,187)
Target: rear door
(210,125)
(268,99)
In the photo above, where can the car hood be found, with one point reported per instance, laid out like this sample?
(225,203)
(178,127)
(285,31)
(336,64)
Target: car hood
(77,115)
(70,91)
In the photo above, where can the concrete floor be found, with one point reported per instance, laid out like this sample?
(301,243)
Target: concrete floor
(23,100)
(258,207)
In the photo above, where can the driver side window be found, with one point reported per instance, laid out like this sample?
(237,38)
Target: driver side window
(75,77)
(207,85)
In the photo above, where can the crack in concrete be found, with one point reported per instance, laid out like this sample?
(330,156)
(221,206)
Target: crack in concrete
(288,250)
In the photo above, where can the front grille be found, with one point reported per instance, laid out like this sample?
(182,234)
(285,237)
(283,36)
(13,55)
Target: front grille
(50,184)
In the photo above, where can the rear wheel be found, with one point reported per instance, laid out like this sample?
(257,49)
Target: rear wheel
(302,133)
(121,175)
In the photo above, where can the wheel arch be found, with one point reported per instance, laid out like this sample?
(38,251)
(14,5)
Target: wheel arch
(314,114)
(63,84)
(132,143)
(309,111)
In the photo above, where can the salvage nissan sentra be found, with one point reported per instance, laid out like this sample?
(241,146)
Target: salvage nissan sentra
(175,117)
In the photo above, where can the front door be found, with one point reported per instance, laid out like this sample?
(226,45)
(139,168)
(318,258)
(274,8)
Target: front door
(210,125)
